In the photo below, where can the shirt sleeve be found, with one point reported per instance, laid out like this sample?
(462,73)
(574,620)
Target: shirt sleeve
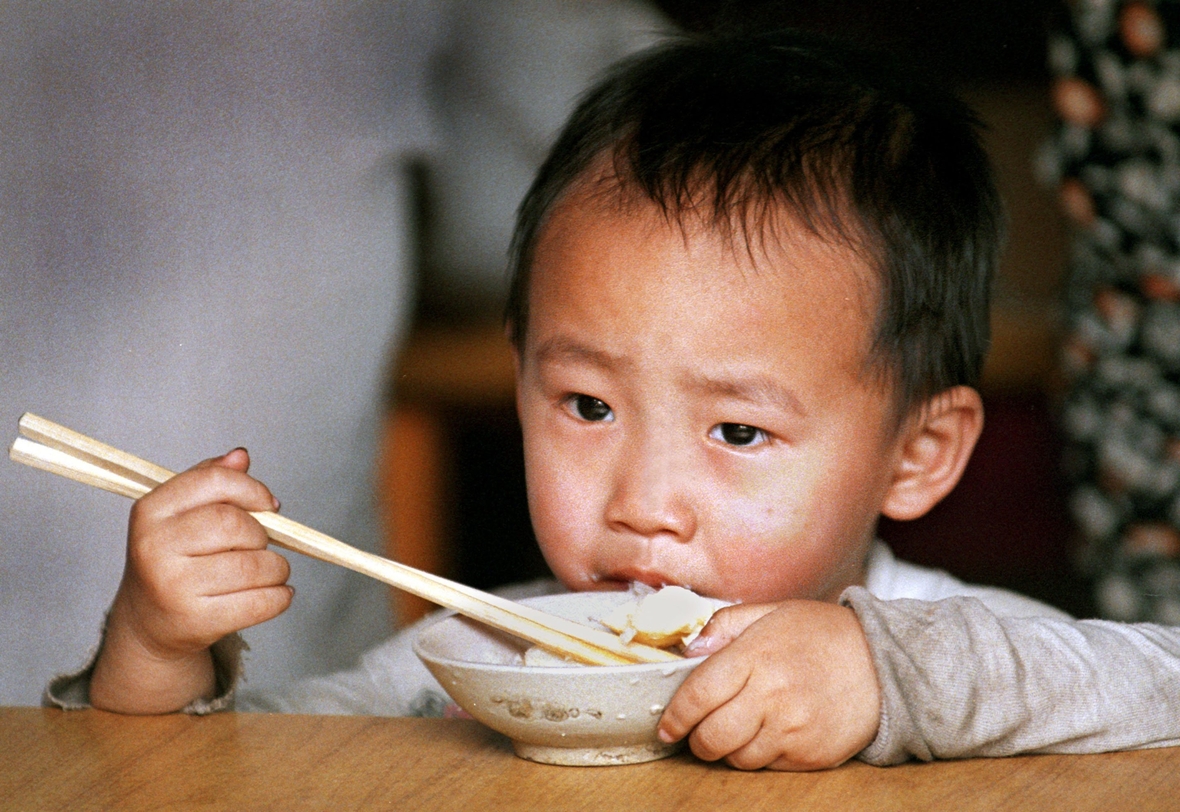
(72,691)
(389,680)
(960,681)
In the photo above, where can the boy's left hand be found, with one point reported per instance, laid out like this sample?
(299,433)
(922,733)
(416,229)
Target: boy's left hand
(792,687)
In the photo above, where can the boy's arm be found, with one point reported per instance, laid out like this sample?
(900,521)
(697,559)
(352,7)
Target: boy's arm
(954,680)
(959,681)
(197,570)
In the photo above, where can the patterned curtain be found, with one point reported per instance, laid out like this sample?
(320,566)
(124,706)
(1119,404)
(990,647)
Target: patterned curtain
(1116,160)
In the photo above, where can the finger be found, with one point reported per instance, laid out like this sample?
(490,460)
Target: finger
(713,683)
(206,483)
(725,625)
(238,571)
(238,459)
(797,750)
(728,729)
(749,737)
(228,473)
(807,760)
(224,614)
(210,529)
(779,747)
(753,755)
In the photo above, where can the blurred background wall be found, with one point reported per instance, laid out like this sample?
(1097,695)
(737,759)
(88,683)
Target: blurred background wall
(205,241)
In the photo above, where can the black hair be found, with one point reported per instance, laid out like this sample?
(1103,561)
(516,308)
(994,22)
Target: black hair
(852,144)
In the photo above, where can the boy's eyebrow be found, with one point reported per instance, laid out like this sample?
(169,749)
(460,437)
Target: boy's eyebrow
(753,388)
(562,349)
(756,389)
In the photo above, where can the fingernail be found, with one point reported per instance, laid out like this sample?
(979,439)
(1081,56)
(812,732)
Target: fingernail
(701,646)
(274,500)
(665,736)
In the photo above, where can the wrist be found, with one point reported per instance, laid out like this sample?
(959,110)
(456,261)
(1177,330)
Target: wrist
(129,677)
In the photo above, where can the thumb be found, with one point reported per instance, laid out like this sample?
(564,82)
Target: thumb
(238,460)
(726,625)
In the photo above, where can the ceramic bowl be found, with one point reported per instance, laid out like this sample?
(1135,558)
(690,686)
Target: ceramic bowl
(573,715)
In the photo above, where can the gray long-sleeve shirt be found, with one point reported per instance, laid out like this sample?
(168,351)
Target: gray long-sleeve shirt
(960,680)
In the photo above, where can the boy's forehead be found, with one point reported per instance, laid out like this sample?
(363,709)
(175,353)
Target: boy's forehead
(763,236)
(776,259)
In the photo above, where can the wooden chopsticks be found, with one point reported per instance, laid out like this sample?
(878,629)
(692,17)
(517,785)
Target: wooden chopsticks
(51,447)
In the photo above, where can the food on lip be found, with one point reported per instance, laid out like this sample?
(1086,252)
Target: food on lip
(671,616)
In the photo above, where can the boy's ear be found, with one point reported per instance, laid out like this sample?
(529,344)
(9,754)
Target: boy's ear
(936,444)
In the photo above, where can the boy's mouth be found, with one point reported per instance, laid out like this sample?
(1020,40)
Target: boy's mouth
(624,578)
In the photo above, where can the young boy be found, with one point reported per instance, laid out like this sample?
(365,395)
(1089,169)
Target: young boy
(749,305)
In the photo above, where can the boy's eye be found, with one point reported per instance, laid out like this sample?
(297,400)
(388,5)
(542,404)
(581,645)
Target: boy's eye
(591,408)
(738,434)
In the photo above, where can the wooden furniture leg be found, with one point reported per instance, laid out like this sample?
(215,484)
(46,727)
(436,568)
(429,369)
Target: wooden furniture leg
(413,483)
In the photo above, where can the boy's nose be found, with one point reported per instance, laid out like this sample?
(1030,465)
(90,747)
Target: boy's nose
(650,496)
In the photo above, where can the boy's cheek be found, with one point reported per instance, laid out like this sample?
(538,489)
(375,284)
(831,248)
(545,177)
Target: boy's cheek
(563,530)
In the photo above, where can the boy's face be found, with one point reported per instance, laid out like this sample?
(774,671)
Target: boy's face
(697,411)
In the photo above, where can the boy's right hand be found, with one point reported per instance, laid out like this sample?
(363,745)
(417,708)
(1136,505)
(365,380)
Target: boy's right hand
(197,569)
(788,686)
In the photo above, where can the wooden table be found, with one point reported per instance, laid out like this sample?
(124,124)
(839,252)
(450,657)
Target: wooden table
(86,760)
